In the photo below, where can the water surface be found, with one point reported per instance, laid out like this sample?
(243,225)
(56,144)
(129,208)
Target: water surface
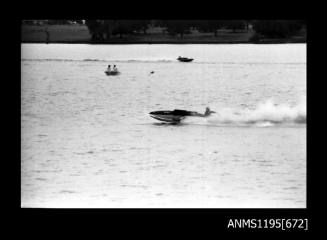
(88,141)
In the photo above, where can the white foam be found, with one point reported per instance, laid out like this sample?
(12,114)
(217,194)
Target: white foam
(265,114)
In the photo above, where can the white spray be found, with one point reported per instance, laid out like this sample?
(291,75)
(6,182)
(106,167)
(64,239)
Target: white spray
(263,115)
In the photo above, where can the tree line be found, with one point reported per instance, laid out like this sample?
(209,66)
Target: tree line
(53,22)
(278,28)
(102,30)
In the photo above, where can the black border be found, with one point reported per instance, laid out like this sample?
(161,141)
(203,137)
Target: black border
(129,221)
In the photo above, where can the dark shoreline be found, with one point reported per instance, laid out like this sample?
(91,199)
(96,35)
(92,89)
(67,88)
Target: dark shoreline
(268,41)
(79,34)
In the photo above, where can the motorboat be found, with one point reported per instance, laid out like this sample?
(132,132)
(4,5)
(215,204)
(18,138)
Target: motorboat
(184,59)
(177,115)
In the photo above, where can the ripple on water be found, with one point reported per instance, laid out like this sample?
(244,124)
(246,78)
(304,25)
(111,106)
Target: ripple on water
(225,174)
(116,150)
(291,188)
(134,186)
(75,174)
(260,161)
(267,165)
(66,191)
(42,135)
(84,153)
(41,179)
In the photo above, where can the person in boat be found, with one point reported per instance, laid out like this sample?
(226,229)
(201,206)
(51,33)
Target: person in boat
(192,113)
(115,68)
(206,113)
(108,69)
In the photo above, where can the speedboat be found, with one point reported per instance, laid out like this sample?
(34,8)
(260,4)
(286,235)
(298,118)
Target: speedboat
(170,116)
(177,115)
(184,59)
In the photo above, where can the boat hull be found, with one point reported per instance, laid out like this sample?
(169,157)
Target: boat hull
(185,59)
(112,73)
(170,116)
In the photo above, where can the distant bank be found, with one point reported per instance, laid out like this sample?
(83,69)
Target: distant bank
(79,34)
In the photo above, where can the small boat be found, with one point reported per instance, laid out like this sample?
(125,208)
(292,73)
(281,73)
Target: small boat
(184,59)
(177,115)
(112,72)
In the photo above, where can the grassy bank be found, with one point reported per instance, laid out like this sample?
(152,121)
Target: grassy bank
(80,34)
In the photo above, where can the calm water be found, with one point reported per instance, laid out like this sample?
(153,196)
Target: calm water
(88,141)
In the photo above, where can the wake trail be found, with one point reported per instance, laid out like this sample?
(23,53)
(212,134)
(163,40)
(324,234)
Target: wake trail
(265,114)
